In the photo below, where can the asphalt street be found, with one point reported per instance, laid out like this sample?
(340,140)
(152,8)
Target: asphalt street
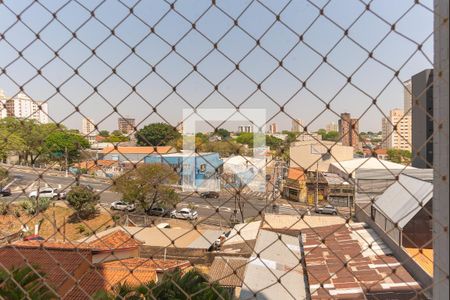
(217,210)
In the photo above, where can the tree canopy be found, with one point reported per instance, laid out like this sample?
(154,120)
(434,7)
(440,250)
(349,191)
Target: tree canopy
(157,134)
(33,141)
(83,200)
(148,185)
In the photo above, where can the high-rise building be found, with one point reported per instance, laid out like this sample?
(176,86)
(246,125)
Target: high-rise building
(88,127)
(126,125)
(332,127)
(407,97)
(349,131)
(297,125)
(23,107)
(422,119)
(273,128)
(396,130)
(245,129)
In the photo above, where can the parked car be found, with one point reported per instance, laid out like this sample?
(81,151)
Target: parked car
(157,211)
(185,214)
(47,193)
(206,195)
(327,210)
(122,205)
(34,237)
(5,192)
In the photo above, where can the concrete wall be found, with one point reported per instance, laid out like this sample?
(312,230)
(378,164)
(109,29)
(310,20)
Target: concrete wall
(441,152)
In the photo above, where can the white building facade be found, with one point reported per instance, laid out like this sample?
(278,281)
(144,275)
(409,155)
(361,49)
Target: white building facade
(23,107)
(401,137)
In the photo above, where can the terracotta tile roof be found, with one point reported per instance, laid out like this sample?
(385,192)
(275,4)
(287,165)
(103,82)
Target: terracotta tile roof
(57,262)
(53,245)
(296,174)
(139,150)
(114,241)
(228,271)
(133,271)
(368,270)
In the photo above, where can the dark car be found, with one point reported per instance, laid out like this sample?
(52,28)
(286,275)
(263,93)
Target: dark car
(157,211)
(5,192)
(205,195)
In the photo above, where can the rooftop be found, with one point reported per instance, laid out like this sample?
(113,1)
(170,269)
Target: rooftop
(404,199)
(117,240)
(370,163)
(341,265)
(228,271)
(286,223)
(133,271)
(277,272)
(163,237)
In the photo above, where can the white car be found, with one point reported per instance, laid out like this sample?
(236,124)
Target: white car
(47,193)
(185,214)
(327,210)
(122,205)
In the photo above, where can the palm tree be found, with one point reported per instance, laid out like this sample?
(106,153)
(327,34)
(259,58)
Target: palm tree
(174,285)
(24,283)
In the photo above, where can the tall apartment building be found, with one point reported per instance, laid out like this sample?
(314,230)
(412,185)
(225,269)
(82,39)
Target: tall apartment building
(273,128)
(245,129)
(407,97)
(422,119)
(23,107)
(88,127)
(400,136)
(349,131)
(126,125)
(297,125)
(332,126)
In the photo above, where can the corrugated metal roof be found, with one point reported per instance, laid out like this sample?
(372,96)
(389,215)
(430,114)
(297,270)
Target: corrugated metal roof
(401,201)
(277,272)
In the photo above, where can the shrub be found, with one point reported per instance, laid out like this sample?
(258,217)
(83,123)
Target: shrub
(32,207)
(4,208)
(83,200)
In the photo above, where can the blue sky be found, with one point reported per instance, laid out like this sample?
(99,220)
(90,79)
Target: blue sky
(368,31)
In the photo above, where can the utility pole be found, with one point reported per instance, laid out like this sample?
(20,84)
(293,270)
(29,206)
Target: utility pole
(316,200)
(67,161)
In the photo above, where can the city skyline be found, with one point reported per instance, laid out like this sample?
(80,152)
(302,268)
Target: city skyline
(370,79)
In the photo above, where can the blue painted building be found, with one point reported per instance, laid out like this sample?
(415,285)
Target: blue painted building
(197,171)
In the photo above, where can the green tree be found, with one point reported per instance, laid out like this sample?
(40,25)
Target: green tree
(83,200)
(116,137)
(223,133)
(273,142)
(192,285)
(24,283)
(399,156)
(246,138)
(104,133)
(149,184)
(157,134)
(225,148)
(62,142)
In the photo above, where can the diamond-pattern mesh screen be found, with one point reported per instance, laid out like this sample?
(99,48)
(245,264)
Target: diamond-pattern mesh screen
(252,149)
